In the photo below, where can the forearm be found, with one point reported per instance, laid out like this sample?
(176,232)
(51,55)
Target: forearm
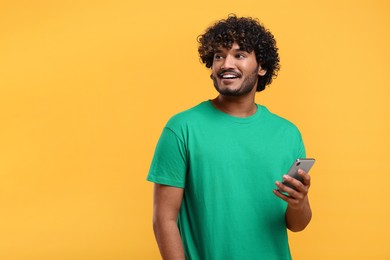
(169,240)
(297,218)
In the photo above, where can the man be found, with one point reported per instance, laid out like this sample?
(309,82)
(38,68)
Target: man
(216,165)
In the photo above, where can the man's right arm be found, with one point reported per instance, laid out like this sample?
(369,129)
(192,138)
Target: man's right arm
(167,202)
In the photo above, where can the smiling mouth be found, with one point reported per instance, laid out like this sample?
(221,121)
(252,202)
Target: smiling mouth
(228,75)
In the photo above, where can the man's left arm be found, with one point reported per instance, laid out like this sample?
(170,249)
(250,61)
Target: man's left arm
(298,213)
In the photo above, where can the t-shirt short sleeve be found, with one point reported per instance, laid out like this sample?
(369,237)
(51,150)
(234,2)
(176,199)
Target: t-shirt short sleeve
(169,164)
(301,148)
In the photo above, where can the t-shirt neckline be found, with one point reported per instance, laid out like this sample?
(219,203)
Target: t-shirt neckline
(241,120)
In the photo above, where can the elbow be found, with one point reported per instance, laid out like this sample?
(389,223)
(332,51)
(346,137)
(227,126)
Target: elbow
(156,224)
(298,220)
(161,223)
(297,228)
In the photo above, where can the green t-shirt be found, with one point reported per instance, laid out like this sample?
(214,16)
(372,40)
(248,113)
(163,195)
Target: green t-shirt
(228,167)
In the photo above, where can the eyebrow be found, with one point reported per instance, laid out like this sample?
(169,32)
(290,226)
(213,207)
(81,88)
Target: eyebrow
(239,49)
(236,49)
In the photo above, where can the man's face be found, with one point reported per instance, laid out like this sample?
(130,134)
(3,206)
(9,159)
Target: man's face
(234,71)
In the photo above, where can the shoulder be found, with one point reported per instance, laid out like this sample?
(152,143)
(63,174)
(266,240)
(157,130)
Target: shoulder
(188,116)
(276,121)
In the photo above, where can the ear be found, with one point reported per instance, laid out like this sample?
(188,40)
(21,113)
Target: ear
(261,71)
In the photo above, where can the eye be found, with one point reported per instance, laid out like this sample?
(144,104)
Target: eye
(240,55)
(217,57)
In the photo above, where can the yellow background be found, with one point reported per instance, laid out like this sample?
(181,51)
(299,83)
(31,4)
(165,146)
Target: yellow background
(86,87)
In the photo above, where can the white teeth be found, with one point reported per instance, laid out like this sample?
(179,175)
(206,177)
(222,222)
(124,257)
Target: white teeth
(229,76)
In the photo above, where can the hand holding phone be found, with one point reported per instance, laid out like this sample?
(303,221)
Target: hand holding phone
(303,163)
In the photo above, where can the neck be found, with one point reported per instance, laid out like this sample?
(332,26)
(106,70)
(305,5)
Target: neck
(236,106)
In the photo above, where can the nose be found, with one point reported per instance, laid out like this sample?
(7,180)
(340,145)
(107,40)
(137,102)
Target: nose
(228,62)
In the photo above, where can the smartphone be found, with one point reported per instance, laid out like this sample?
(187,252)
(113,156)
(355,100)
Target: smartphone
(302,163)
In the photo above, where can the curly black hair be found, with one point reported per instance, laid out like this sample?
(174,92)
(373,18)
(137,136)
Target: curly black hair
(250,35)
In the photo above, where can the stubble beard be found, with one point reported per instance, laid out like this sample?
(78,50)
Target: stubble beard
(246,87)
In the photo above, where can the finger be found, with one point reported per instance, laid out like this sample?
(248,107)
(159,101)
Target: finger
(291,193)
(294,182)
(286,198)
(304,176)
(281,195)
